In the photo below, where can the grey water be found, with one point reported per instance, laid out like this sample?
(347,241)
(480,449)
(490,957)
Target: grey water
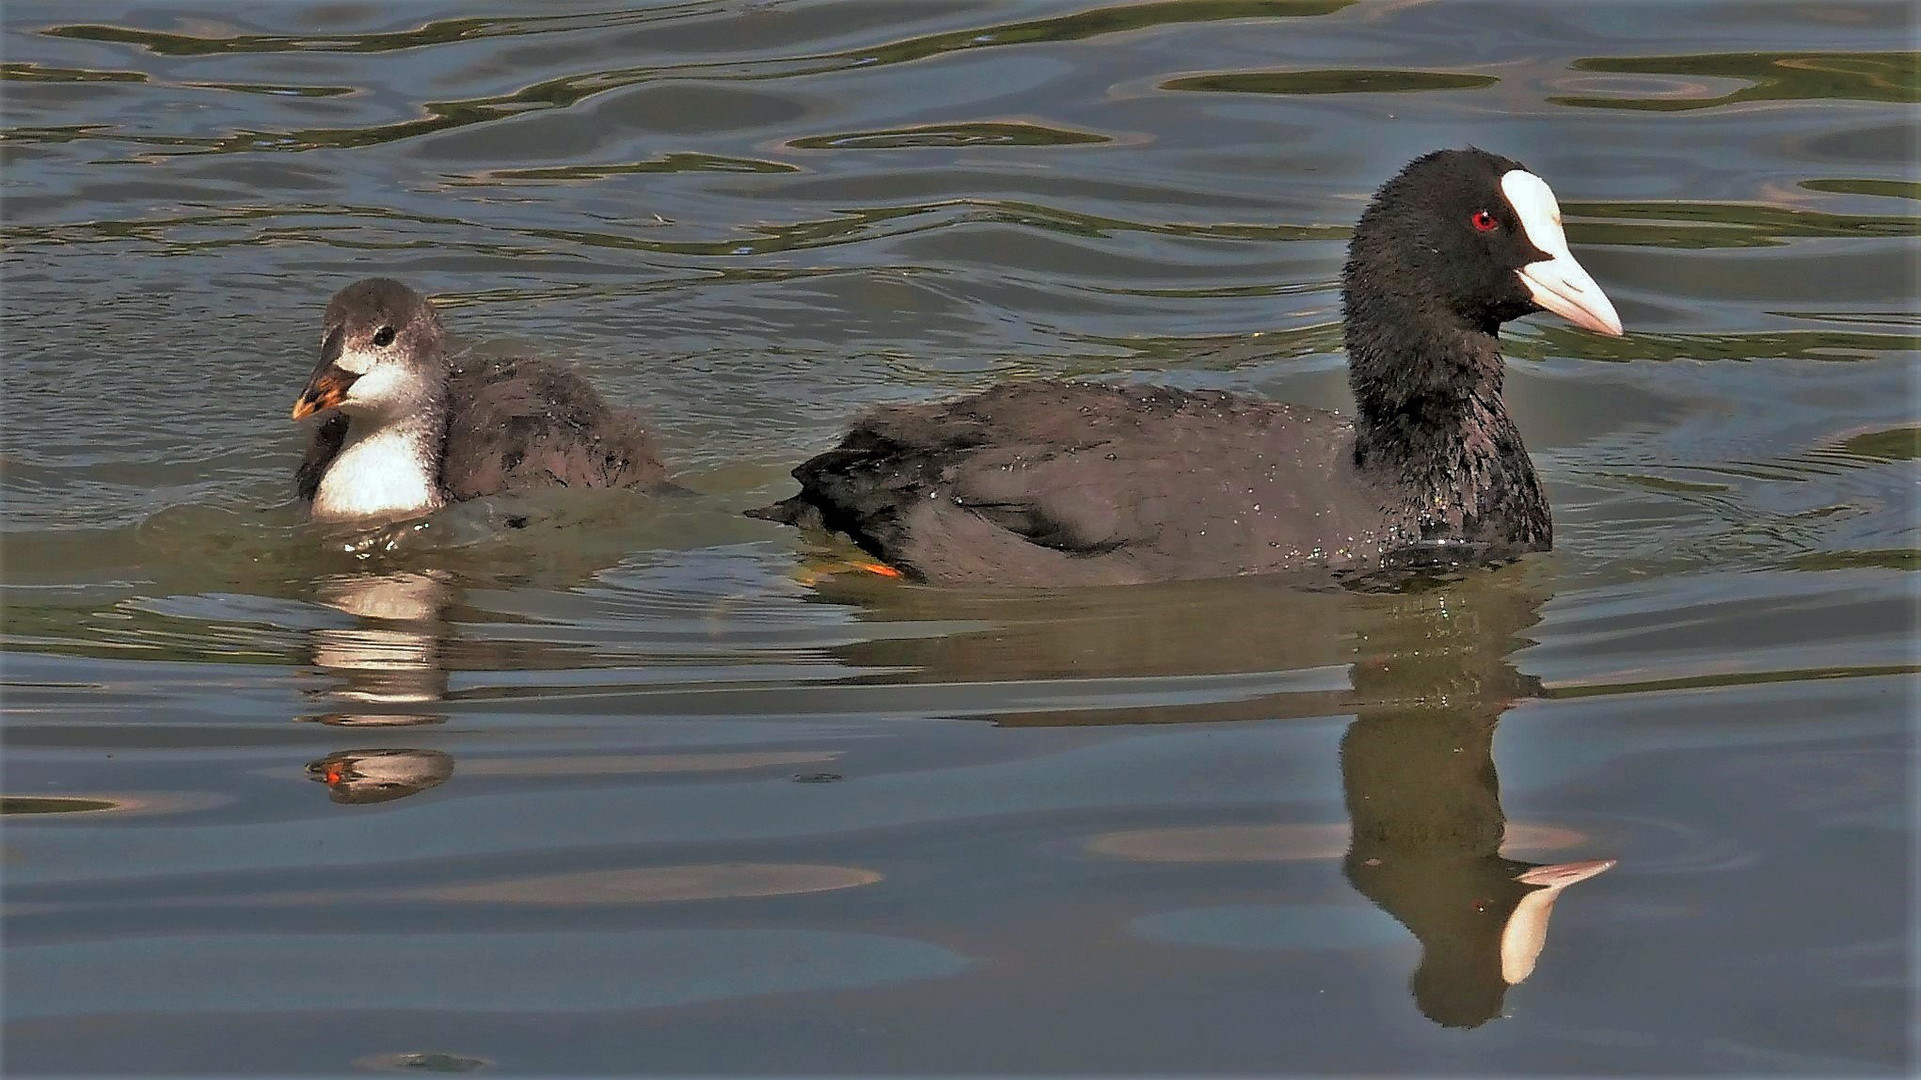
(650,787)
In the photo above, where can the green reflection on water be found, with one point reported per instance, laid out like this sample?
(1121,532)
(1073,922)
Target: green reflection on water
(126,632)
(1120,18)
(937,135)
(1679,487)
(433,33)
(1781,344)
(571,89)
(58,134)
(847,226)
(40,73)
(1216,352)
(666,163)
(1878,559)
(27,804)
(1718,224)
(1894,189)
(1634,224)
(1337,81)
(1084,24)
(1890,76)
(276,89)
(1895,444)
(1568,691)
(1229,352)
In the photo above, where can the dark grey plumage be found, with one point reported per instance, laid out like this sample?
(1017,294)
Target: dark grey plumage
(1052,483)
(1074,483)
(517,424)
(322,444)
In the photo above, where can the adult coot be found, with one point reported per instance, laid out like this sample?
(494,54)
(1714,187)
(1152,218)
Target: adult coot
(1052,483)
(413,430)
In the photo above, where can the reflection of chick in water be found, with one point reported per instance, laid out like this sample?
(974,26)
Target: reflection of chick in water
(1417,766)
(392,657)
(374,776)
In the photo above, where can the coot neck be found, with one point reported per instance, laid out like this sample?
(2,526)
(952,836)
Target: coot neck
(1431,424)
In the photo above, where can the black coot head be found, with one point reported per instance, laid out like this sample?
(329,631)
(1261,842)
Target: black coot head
(380,352)
(1479,235)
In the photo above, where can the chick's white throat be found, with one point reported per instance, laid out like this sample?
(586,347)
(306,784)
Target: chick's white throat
(387,472)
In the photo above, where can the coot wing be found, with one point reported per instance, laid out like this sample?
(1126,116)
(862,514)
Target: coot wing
(1047,483)
(521,423)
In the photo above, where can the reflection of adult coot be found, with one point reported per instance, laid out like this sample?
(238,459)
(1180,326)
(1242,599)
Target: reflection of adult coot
(1430,677)
(1417,766)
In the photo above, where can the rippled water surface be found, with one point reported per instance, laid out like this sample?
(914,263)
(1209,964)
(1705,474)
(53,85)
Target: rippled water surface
(651,787)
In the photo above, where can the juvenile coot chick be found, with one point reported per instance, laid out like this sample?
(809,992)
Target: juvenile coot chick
(414,430)
(1056,483)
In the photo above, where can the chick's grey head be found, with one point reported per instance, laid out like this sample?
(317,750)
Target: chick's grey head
(381,355)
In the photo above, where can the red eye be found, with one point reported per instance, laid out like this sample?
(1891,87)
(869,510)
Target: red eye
(1484,221)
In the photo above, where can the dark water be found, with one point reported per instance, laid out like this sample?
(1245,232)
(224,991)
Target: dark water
(653,788)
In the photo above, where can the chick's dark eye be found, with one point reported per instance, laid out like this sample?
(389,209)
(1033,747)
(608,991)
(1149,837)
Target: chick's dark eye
(1484,221)
(384,336)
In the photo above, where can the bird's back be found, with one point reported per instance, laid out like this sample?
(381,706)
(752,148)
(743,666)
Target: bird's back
(515,424)
(1052,483)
